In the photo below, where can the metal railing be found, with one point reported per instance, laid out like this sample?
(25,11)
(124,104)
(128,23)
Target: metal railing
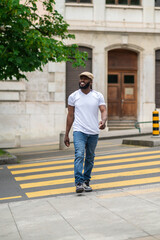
(138,127)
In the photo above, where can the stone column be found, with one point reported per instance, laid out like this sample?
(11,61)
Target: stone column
(99,67)
(100,78)
(148,85)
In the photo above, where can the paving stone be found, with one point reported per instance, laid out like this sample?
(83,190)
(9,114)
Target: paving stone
(37,219)
(8,228)
(144,238)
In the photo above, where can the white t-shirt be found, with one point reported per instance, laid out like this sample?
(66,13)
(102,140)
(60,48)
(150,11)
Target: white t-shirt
(86,110)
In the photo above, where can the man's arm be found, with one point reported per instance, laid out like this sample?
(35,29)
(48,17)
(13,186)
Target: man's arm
(69,122)
(102,123)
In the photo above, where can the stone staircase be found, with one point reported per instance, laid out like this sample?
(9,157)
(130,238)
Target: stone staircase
(121,124)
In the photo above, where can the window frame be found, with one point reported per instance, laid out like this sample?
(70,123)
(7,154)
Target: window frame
(79,2)
(155,5)
(128,4)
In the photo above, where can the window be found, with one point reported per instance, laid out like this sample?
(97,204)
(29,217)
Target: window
(113,79)
(157,3)
(125,2)
(78,1)
(157,82)
(128,79)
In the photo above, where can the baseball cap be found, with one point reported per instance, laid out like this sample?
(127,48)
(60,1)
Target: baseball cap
(87,74)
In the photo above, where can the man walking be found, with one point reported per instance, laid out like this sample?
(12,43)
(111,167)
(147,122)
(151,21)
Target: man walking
(83,106)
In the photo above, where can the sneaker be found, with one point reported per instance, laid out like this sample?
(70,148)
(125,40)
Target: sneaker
(79,188)
(86,186)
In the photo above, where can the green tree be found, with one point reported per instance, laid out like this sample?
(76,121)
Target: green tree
(29,40)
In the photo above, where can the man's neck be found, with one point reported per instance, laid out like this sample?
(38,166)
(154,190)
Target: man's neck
(86,91)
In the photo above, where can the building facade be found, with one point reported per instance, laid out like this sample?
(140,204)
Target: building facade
(122,38)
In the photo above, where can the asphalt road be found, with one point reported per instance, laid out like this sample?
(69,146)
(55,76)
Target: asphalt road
(46,171)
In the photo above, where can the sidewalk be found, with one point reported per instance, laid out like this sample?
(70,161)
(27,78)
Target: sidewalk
(122,214)
(55,141)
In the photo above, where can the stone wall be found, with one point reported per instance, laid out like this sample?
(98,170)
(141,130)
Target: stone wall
(33,109)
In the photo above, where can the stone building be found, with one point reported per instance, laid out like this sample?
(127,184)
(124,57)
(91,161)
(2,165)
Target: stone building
(122,38)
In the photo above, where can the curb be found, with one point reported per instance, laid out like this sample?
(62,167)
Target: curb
(141,143)
(12,159)
(125,136)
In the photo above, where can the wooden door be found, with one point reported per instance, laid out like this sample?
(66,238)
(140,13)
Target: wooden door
(114,96)
(129,95)
(122,95)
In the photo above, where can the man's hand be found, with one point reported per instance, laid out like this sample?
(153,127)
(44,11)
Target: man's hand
(70,119)
(66,141)
(102,125)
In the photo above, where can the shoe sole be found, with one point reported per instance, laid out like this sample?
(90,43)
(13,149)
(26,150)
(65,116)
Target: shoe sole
(86,190)
(80,191)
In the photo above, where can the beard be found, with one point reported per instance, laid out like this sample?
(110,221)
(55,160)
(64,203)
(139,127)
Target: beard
(85,86)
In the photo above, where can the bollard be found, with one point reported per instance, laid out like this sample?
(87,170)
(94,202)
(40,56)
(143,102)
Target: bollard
(155,123)
(17,141)
(61,141)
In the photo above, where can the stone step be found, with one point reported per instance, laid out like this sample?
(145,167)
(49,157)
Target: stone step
(121,122)
(120,128)
(121,125)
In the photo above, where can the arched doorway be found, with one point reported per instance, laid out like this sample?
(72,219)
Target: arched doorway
(72,74)
(122,84)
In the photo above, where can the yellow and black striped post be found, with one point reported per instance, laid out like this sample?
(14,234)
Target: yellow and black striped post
(155,123)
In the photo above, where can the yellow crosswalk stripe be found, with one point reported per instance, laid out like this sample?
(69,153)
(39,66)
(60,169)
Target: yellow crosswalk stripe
(95,177)
(50,192)
(72,160)
(45,175)
(134,165)
(127,183)
(95,186)
(96,164)
(8,198)
(42,169)
(47,183)
(41,164)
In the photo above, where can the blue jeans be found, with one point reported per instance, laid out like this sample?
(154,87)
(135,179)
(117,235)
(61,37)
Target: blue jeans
(84,144)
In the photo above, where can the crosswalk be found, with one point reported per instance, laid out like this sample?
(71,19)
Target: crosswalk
(111,171)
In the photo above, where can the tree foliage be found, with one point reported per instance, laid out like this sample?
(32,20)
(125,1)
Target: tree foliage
(28,40)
